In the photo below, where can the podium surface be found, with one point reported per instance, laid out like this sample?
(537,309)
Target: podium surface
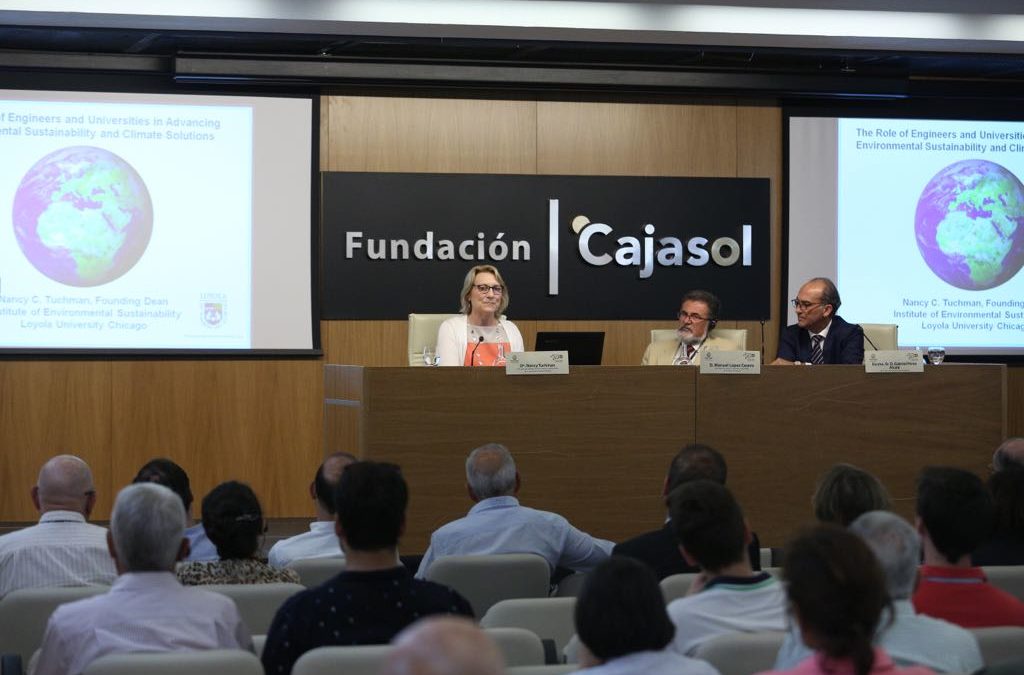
(595,445)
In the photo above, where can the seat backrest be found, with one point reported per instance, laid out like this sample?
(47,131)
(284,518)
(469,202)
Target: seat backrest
(423,333)
(1010,578)
(314,571)
(24,613)
(741,653)
(884,335)
(207,662)
(548,618)
(356,660)
(257,603)
(738,335)
(570,586)
(519,646)
(999,643)
(485,579)
(557,669)
(676,585)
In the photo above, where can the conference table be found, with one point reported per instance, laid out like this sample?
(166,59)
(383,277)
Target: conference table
(594,445)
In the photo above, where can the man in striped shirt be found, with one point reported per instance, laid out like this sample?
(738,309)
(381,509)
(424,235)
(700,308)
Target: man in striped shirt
(62,549)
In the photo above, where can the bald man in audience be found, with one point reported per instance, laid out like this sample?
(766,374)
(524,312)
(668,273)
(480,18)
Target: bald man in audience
(444,646)
(1009,454)
(63,549)
(498,524)
(320,541)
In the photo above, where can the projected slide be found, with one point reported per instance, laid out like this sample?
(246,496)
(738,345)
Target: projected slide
(929,218)
(127,222)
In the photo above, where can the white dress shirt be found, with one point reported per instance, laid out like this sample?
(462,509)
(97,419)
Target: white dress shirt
(501,525)
(665,662)
(61,550)
(142,612)
(320,542)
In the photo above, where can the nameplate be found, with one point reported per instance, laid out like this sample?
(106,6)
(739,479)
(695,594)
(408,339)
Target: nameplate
(537,363)
(718,362)
(893,361)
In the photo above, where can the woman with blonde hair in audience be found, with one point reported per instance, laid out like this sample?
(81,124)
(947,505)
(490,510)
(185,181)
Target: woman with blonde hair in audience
(837,593)
(234,523)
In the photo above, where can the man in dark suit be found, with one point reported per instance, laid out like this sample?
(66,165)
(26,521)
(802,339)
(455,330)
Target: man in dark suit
(819,335)
(660,548)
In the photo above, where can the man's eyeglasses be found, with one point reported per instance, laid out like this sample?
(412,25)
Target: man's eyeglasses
(803,304)
(696,318)
(496,289)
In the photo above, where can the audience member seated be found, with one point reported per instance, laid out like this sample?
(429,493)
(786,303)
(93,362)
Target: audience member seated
(1005,546)
(498,524)
(660,548)
(234,522)
(727,596)
(167,473)
(146,610)
(375,597)
(623,627)
(1009,453)
(444,645)
(954,515)
(909,638)
(320,541)
(63,549)
(844,492)
(837,591)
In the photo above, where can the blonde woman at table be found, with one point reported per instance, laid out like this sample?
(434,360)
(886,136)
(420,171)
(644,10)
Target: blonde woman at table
(479,336)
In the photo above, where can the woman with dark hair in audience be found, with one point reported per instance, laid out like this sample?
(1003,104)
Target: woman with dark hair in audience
(1006,545)
(622,624)
(233,520)
(837,591)
(844,492)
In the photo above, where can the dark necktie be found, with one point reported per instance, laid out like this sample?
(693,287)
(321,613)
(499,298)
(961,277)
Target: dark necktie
(817,358)
(690,351)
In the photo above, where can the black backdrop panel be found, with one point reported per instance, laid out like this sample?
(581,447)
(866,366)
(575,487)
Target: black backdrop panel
(569,247)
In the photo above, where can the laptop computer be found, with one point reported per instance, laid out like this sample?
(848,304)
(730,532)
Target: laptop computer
(585,347)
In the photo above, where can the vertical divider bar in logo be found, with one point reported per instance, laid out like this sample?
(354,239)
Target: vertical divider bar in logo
(552,247)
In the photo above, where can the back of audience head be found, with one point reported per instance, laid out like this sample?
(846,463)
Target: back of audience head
(954,510)
(147,527)
(167,473)
(1010,453)
(620,610)
(444,645)
(708,522)
(233,520)
(837,590)
(326,479)
(694,462)
(896,545)
(370,501)
(65,484)
(1007,490)
(844,492)
(491,472)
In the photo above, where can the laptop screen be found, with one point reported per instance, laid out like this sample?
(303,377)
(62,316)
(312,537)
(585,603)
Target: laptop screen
(584,347)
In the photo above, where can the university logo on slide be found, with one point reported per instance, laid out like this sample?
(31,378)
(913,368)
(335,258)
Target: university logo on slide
(212,314)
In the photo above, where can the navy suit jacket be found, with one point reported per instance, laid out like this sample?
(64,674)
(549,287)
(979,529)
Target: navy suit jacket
(843,344)
(660,550)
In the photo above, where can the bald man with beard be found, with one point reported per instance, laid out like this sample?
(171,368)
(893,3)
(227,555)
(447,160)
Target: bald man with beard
(62,549)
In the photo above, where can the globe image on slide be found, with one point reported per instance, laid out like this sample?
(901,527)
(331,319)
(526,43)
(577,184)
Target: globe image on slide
(82,216)
(970,224)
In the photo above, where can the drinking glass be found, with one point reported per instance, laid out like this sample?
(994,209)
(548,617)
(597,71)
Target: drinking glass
(936,355)
(429,356)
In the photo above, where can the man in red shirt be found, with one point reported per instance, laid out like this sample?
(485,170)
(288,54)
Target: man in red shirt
(954,516)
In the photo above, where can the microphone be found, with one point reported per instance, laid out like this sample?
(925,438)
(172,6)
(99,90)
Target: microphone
(479,342)
(867,338)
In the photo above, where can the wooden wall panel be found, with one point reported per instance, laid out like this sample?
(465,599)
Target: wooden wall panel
(1015,401)
(49,408)
(431,135)
(258,421)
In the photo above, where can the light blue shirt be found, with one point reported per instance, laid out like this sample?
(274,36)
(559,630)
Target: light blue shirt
(911,639)
(501,525)
(201,549)
(665,662)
